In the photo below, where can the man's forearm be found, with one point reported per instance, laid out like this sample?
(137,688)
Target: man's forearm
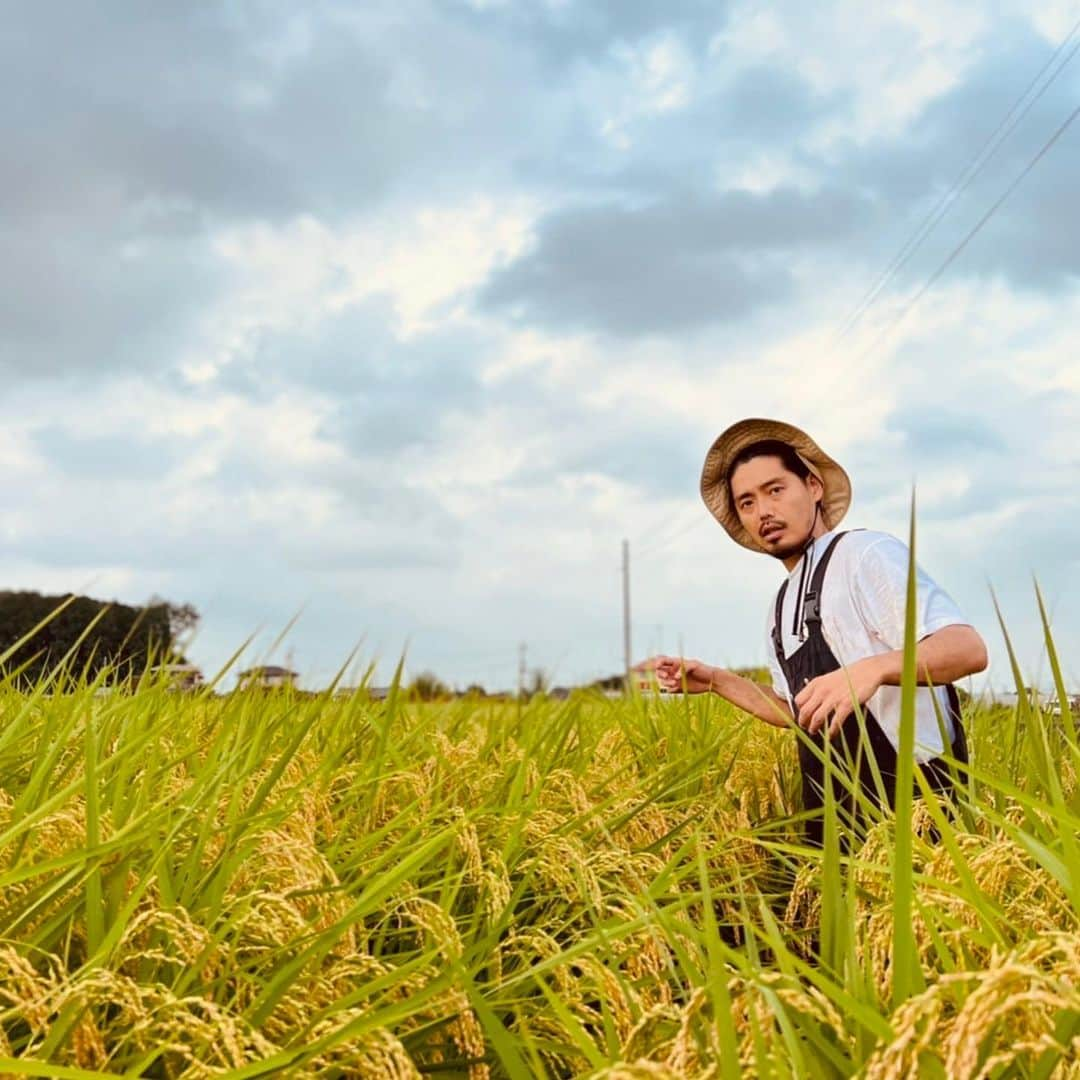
(751,697)
(942,657)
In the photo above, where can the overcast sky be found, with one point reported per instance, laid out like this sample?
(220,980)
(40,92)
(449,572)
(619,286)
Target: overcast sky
(401,315)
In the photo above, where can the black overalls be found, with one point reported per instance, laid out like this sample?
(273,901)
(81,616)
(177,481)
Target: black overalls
(814,658)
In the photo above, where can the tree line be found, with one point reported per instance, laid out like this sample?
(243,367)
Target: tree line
(40,633)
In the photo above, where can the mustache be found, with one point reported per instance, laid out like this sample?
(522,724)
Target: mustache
(771,525)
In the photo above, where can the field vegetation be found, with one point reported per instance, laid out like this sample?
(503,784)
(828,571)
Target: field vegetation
(263,884)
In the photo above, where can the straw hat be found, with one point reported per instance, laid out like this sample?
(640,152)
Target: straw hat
(714,486)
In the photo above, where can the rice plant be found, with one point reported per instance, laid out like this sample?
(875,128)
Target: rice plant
(273,884)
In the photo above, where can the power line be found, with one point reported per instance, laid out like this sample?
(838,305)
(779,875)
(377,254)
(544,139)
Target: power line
(675,525)
(993,143)
(660,525)
(689,522)
(956,251)
(1004,129)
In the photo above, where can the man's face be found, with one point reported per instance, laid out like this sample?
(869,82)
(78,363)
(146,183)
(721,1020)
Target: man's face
(775,506)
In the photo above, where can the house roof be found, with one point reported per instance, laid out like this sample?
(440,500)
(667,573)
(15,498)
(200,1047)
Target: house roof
(268,670)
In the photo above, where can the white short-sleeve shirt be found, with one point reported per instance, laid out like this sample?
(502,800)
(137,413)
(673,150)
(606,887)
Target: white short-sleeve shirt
(862,614)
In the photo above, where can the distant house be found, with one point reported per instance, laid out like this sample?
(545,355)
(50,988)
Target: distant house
(177,676)
(1011,699)
(1054,705)
(266,678)
(1039,701)
(373,693)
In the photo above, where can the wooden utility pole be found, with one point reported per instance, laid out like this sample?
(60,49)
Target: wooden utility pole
(627,654)
(521,671)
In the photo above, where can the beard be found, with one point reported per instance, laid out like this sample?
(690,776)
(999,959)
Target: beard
(788,550)
(798,547)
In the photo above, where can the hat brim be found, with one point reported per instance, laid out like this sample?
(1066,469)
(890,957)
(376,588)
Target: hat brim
(714,486)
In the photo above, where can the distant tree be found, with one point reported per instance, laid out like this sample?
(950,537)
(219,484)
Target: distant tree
(183,618)
(474,690)
(539,681)
(609,682)
(428,687)
(89,635)
(760,675)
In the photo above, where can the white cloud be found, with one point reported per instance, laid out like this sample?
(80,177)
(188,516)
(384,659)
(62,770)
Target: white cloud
(503,521)
(765,171)
(421,258)
(888,62)
(1054,19)
(651,78)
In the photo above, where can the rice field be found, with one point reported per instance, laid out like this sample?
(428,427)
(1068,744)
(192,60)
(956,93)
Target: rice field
(267,884)
(277,884)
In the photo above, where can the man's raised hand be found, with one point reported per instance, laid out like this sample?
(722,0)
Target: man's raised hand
(677,675)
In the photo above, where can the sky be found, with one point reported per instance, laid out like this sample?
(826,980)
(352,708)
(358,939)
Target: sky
(382,325)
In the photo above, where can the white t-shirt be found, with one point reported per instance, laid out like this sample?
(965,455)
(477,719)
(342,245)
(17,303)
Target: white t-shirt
(862,614)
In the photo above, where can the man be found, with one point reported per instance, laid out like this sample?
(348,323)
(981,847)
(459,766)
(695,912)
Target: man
(836,628)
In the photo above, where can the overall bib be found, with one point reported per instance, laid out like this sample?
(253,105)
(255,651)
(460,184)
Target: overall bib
(814,658)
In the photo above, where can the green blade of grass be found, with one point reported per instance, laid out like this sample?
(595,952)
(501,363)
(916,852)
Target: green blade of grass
(907,976)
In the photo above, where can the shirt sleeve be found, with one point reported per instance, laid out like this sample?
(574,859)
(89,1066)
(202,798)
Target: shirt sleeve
(779,680)
(879,591)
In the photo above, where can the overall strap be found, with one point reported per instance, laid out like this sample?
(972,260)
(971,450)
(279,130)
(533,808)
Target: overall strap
(812,601)
(778,640)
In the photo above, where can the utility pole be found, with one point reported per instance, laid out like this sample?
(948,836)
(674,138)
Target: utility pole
(627,655)
(521,670)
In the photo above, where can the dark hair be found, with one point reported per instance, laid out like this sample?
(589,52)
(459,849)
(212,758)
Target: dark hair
(769,448)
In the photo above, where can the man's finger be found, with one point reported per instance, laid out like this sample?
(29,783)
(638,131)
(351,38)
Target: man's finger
(842,712)
(820,717)
(815,688)
(811,704)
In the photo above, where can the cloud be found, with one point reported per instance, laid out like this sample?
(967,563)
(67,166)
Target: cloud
(896,60)
(570,34)
(139,139)
(68,303)
(132,456)
(670,266)
(410,312)
(224,483)
(1031,240)
(935,429)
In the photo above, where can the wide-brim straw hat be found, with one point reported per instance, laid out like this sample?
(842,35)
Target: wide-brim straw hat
(714,475)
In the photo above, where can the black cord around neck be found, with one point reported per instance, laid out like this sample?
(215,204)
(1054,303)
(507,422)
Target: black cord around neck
(800,598)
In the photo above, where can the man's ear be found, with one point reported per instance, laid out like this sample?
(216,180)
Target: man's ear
(817,488)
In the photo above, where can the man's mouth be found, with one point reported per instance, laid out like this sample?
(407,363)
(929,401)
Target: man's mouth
(769,531)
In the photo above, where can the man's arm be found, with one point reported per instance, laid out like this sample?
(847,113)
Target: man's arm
(678,675)
(760,701)
(942,657)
